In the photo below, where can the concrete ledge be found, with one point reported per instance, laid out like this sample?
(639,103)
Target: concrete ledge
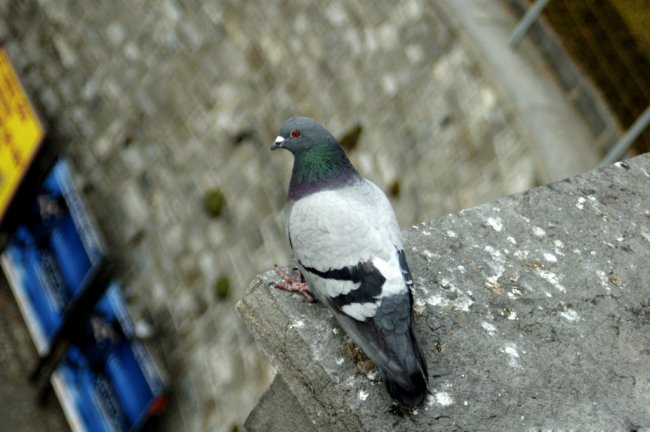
(278,401)
(533,311)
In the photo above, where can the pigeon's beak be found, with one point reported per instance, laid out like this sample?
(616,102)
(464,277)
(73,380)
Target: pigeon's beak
(279,141)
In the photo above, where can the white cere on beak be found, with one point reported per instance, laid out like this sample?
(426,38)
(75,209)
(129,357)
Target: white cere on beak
(279,140)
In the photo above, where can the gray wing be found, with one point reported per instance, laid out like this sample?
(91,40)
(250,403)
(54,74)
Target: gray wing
(348,242)
(348,245)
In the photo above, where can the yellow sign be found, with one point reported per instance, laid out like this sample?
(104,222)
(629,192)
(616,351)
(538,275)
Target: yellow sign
(21,132)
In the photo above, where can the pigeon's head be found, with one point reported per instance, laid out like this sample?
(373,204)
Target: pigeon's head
(299,134)
(319,162)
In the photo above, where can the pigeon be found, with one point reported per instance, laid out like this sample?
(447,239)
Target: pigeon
(348,247)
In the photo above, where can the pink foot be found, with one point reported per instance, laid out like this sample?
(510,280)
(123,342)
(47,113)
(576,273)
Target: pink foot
(292,285)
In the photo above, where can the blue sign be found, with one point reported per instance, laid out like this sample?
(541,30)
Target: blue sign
(108,381)
(51,256)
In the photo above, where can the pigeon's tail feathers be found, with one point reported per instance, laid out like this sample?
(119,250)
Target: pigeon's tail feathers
(406,375)
(389,340)
(408,385)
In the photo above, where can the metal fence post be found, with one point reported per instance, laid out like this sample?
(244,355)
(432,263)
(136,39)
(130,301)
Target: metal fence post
(622,146)
(528,19)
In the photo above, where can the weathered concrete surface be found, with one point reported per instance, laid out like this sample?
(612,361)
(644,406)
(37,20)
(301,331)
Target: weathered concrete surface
(533,311)
(278,400)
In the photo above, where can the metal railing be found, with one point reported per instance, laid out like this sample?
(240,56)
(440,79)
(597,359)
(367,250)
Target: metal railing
(642,121)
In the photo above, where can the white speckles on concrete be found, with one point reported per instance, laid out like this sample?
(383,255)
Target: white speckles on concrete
(427,254)
(443,399)
(551,278)
(549,257)
(512,240)
(570,315)
(339,361)
(539,232)
(498,267)
(373,375)
(558,247)
(363,395)
(604,282)
(436,300)
(521,254)
(495,223)
(489,328)
(581,203)
(492,283)
(297,324)
(451,234)
(446,284)
(510,349)
(497,257)
(461,303)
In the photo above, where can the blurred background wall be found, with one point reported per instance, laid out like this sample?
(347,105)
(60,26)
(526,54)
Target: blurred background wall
(158,103)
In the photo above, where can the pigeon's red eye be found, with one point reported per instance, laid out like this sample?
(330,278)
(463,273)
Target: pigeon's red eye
(295,133)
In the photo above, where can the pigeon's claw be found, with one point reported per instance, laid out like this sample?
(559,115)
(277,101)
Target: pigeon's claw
(294,285)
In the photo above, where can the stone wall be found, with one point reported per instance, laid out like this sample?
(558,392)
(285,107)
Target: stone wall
(157,102)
